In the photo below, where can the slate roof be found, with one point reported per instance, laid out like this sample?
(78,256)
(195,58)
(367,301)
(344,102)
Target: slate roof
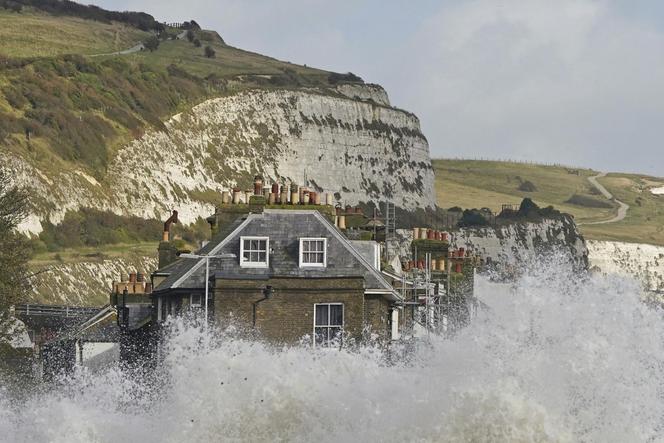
(284,227)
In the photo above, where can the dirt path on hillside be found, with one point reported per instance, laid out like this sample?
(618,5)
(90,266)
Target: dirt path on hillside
(138,47)
(622,207)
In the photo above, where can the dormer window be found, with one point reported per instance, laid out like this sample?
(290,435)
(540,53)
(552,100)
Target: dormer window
(313,252)
(254,252)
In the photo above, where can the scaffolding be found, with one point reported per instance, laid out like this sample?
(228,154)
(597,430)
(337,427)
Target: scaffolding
(390,227)
(435,307)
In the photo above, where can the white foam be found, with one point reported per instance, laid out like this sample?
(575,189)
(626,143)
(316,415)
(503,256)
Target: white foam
(553,359)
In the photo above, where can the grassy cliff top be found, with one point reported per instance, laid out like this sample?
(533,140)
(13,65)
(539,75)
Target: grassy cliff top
(479,183)
(31,33)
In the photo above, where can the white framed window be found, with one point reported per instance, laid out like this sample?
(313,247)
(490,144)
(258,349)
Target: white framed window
(254,252)
(196,300)
(328,324)
(313,252)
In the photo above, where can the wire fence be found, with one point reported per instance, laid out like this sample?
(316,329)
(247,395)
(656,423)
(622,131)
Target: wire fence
(514,161)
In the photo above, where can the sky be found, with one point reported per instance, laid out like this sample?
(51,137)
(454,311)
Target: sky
(579,83)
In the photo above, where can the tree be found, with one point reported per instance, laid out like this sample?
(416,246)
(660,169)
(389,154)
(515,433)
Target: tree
(190,35)
(14,250)
(151,43)
(209,52)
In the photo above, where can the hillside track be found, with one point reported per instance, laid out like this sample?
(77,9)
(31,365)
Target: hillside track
(622,207)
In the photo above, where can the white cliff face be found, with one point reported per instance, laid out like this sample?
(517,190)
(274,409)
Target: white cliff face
(358,149)
(641,261)
(86,283)
(375,93)
(520,243)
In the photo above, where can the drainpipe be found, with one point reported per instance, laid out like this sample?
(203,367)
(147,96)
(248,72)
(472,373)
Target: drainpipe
(267,294)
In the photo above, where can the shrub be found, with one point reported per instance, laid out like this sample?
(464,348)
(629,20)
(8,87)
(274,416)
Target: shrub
(151,43)
(472,217)
(335,78)
(197,43)
(209,52)
(527,186)
(528,207)
(140,20)
(190,35)
(588,201)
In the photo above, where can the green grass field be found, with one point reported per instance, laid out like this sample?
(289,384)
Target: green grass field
(35,34)
(227,62)
(477,183)
(645,219)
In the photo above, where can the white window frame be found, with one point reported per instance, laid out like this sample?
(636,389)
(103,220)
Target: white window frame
(313,265)
(343,323)
(250,264)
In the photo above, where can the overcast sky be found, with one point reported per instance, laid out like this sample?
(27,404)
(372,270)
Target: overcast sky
(573,82)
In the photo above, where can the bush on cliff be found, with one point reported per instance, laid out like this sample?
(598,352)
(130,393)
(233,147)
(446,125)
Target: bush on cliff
(473,217)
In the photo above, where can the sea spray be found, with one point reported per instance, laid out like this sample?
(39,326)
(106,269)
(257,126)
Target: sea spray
(552,358)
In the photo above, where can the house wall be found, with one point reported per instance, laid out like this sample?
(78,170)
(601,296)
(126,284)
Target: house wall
(288,315)
(377,316)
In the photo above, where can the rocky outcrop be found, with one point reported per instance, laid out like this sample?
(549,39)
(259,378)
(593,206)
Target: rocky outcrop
(511,246)
(360,149)
(641,261)
(370,92)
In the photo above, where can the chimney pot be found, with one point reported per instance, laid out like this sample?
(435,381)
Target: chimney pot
(342,222)
(295,196)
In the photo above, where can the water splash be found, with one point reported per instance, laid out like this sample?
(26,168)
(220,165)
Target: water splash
(553,359)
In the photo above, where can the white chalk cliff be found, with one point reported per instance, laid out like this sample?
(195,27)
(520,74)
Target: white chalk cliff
(347,141)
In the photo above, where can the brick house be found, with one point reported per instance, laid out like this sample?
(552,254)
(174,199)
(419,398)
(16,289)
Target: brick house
(294,275)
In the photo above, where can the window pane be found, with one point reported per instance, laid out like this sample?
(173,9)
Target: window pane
(246,244)
(321,315)
(262,257)
(262,245)
(317,246)
(246,256)
(317,258)
(305,245)
(320,336)
(335,335)
(336,315)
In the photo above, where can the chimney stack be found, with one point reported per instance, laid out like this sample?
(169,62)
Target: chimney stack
(167,226)
(258,186)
